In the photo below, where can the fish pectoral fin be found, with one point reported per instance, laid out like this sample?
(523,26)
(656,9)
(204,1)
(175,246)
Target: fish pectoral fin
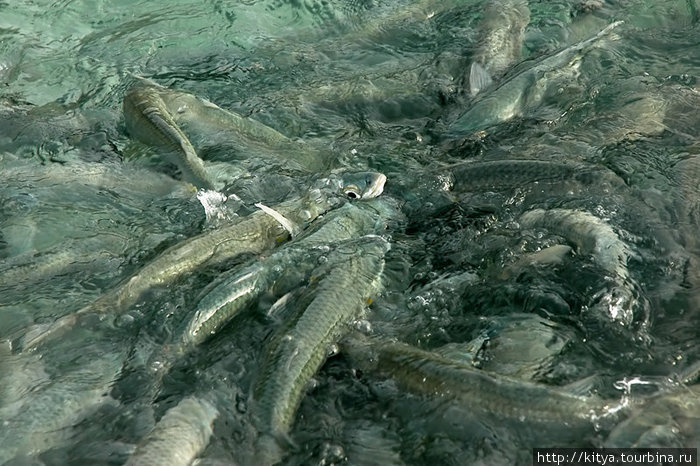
(479,79)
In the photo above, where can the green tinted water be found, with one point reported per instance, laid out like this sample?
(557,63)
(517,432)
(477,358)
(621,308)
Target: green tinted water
(377,84)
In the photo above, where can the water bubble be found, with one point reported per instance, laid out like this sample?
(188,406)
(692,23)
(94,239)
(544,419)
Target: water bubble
(332,454)
(363,326)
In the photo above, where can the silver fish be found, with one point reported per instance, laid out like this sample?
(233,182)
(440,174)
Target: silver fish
(522,91)
(148,119)
(67,257)
(253,234)
(178,437)
(687,174)
(500,42)
(297,353)
(592,236)
(508,174)
(670,419)
(237,292)
(431,374)
(184,126)
(240,289)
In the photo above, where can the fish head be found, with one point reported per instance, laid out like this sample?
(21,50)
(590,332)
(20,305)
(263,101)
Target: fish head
(357,185)
(362,185)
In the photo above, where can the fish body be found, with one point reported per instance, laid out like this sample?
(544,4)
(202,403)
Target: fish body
(65,258)
(670,419)
(431,374)
(297,353)
(592,236)
(148,119)
(245,286)
(180,435)
(522,91)
(509,174)
(171,120)
(500,41)
(254,234)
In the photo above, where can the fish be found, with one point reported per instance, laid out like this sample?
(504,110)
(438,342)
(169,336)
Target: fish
(427,373)
(523,90)
(500,42)
(186,126)
(296,353)
(104,175)
(687,199)
(520,346)
(21,374)
(253,234)
(65,258)
(362,185)
(239,290)
(179,436)
(509,174)
(546,257)
(592,236)
(245,286)
(148,120)
(669,419)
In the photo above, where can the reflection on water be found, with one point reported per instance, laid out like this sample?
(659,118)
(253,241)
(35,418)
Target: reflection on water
(547,234)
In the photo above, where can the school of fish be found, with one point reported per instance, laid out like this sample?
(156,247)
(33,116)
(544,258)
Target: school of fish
(200,285)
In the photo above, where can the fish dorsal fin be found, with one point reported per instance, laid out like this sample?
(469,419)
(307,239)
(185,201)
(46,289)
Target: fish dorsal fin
(479,79)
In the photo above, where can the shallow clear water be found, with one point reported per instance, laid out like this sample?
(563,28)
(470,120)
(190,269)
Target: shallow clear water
(378,85)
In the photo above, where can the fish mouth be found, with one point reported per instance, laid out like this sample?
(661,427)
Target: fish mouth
(377,187)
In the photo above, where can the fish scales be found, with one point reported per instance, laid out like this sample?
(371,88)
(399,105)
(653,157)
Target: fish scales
(239,291)
(170,119)
(242,288)
(624,302)
(506,174)
(191,110)
(687,174)
(590,234)
(148,120)
(178,437)
(253,234)
(428,373)
(501,34)
(66,257)
(203,117)
(668,419)
(298,353)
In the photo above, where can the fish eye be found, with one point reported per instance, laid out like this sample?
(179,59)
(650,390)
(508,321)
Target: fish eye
(352,192)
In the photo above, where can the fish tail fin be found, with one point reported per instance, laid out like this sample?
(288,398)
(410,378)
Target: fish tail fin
(37,333)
